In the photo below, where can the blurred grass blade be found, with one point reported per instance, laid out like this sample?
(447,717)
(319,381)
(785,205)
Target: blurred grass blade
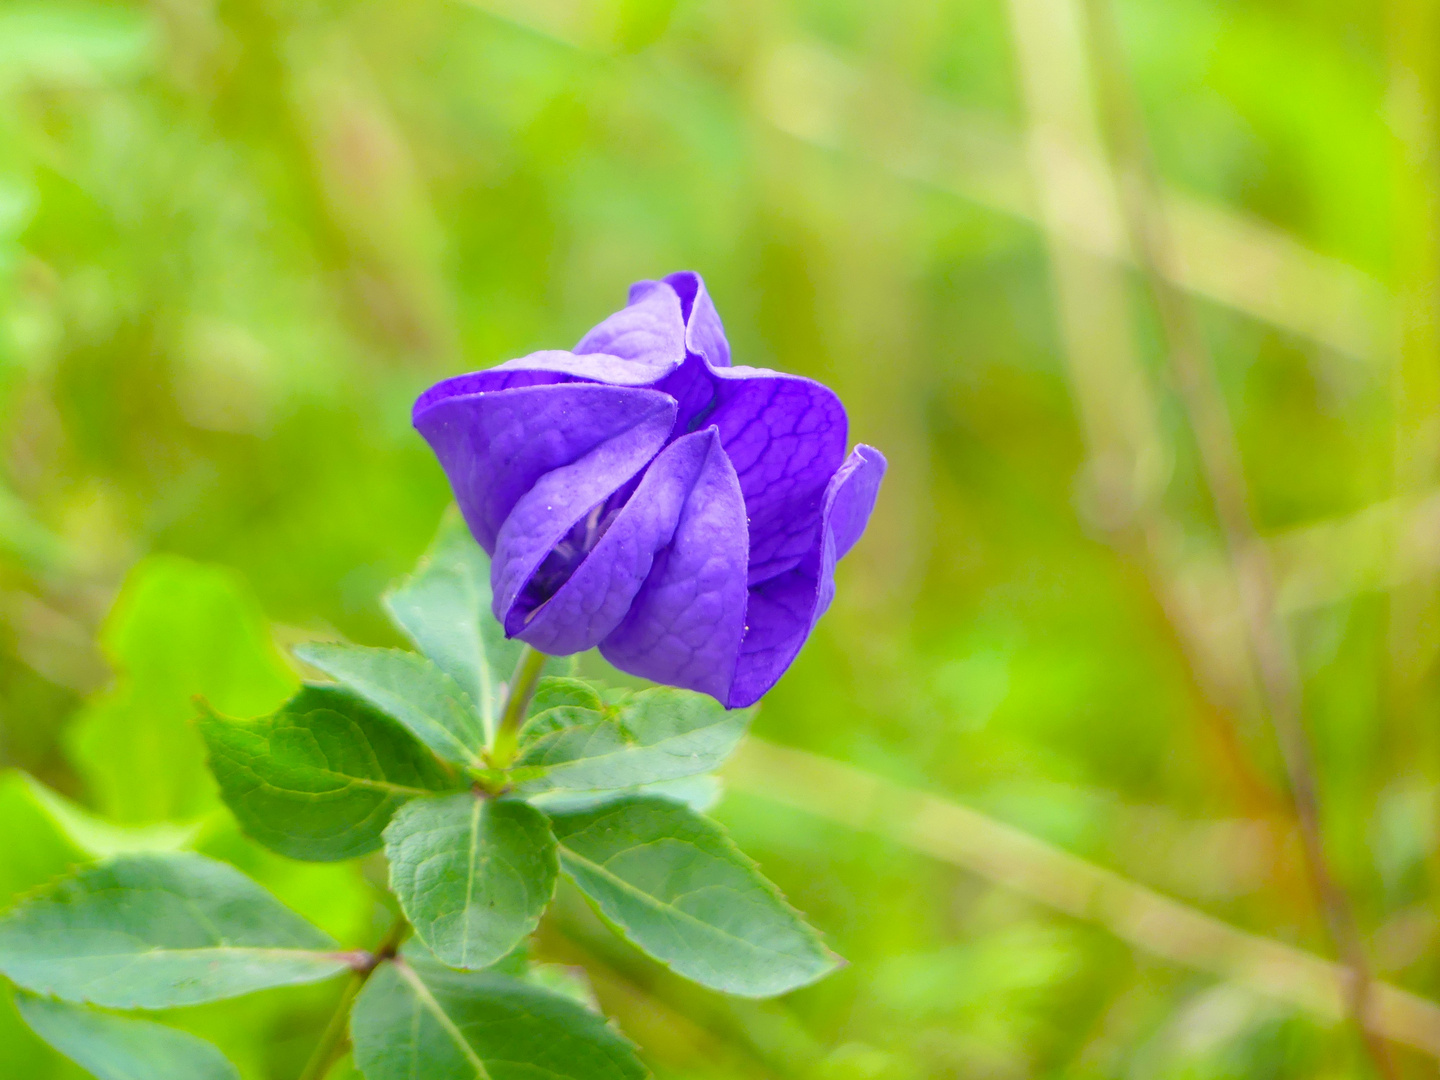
(1137,915)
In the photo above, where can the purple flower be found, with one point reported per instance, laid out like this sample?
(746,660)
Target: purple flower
(642,495)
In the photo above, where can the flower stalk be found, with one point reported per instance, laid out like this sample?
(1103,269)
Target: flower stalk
(335,1037)
(522,689)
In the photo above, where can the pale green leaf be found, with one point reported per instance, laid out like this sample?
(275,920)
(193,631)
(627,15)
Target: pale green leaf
(571,982)
(77,43)
(553,691)
(655,735)
(444,608)
(473,874)
(179,629)
(122,1047)
(411,689)
(36,847)
(677,887)
(100,839)
(699,793)
(321,778)
(156,931)
(415,1019)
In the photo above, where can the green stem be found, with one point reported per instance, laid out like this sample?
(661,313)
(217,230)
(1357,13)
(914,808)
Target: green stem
(522,689)
(333,1039)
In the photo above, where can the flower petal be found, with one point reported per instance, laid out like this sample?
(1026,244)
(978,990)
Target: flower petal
(508,376)
(495,446)
(783,609)
(550,511)
(786,437)
(555,366)
(704,334)
(650,328)
(591,603)
(684,626)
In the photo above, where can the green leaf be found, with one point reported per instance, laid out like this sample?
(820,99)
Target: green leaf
(156,931)
(570,982)
(677,887)
(699,793)
(178,629)
(24,1054)
(655,735)
(421,1020)
(554,691)
(36,848)
(473,874)
(99,838)
(321,778)
(121,1047)
(444,608)
(412,690)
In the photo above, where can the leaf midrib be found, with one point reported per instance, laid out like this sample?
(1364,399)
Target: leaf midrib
(470,875)
(655,904)
(457,1036)
(387,786)
(338,956)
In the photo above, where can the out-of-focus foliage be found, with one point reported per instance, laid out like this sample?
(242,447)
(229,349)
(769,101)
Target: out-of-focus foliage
(238,236)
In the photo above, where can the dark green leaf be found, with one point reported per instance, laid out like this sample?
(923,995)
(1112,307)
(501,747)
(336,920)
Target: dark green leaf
(121,1047)
(156,931)
(655,735)
(422,1020)
(412,690)
(321,778)
(677,887)
(473,874)
(444,608)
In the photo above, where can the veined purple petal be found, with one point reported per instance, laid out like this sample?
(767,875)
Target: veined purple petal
(552,509)
(556,366)
(704,334)
(495,446)
(508,376)
(694,387)
(783,609)
(855,489)
(588,606)
(649,328)
(642,493)
(685,624)
(786,437)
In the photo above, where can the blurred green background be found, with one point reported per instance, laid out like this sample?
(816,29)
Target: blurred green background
(237,237)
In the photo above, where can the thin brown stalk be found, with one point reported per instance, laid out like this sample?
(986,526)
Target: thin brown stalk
(1271,650)
(1147,920)
(336,1036)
